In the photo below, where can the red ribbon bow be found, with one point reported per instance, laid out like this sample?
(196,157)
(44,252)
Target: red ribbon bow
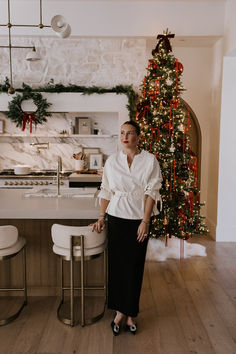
(164,38)
(28,118)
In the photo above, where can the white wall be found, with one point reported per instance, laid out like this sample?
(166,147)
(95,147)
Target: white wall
(226,224)
(230,27)
(102,62)
(214,137)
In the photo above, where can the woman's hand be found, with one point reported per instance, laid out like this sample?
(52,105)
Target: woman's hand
(142,231)
(99,225)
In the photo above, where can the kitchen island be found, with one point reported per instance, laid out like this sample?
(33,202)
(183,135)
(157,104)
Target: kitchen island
(15,205)
(34,217)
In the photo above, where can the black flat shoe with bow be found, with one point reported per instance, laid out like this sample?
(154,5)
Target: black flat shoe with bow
(132,329)
(115,328)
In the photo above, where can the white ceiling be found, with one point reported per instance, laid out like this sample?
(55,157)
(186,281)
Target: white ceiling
(202,37)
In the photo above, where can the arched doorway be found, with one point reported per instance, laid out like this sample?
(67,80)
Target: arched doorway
(195,137)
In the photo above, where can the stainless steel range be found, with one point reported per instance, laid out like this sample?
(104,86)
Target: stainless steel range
(35,179)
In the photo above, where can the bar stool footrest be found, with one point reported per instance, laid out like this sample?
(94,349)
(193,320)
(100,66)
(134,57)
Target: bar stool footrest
(11,318)
(88,321)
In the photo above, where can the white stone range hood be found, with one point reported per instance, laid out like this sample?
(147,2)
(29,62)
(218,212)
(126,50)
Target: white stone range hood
(77,102)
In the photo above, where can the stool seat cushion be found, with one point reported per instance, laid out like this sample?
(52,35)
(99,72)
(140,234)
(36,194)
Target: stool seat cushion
(61,235)
(20,243)
(8,236)
(77,252)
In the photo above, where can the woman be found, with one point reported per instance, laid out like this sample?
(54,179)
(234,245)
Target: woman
(129,192)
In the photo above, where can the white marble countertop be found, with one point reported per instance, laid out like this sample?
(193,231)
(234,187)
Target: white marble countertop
(14,205)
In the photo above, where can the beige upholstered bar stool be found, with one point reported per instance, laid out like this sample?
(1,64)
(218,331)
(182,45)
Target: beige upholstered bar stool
(79,243)
(10,245)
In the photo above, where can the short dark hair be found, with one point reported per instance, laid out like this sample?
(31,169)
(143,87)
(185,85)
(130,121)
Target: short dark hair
(134,124)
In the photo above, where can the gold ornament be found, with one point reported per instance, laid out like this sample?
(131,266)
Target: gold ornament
(161,106)
(165,165)
(11,90)
(165,221)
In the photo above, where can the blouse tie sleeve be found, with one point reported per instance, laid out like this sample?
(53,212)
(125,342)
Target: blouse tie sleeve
(153,185)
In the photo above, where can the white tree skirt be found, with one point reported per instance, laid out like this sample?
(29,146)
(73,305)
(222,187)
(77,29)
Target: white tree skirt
(157,251)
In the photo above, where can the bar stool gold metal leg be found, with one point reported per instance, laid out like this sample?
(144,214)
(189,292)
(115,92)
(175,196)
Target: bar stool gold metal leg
(68,321)
(104,288)
(24,276)
(62,280)
(24,289)
(71,282)
(82,281)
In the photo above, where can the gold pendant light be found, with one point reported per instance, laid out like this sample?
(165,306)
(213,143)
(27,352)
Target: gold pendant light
(58,24)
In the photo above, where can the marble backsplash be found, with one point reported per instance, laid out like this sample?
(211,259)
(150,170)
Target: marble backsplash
(16,148)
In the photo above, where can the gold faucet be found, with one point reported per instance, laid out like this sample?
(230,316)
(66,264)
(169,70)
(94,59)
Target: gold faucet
(40,146)
(59,168)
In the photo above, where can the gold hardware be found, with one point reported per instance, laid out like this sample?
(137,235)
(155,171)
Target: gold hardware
(11,89)
(165,221)
(24,288)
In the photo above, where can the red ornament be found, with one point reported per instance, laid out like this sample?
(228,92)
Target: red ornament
(179,66)
(174,103)
(153,95)
(179,69)
(186,236)
(153,64)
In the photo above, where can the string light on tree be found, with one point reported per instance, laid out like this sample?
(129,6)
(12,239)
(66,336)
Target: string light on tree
(164,123)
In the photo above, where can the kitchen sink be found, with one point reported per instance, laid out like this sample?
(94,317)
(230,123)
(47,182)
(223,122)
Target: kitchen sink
(88,192)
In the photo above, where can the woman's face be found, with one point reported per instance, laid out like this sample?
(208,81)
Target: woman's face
(128,136)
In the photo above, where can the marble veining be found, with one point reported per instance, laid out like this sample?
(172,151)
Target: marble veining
(16,150)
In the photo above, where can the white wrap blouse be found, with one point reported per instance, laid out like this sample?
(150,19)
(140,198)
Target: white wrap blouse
(126,187)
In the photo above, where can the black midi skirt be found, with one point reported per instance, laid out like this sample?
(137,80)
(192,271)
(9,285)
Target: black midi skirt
(126,258)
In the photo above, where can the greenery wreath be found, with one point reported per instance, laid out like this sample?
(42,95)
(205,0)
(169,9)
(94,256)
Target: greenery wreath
(51,87)
(21,118)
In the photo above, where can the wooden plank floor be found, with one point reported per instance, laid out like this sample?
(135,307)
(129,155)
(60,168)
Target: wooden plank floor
(187,306)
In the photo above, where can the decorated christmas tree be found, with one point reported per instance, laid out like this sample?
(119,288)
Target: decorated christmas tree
(165,120)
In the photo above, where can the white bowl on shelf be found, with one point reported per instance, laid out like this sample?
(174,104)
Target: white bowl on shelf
(22,170)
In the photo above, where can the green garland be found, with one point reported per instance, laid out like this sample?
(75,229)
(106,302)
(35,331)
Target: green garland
(51,87)
(15,112)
